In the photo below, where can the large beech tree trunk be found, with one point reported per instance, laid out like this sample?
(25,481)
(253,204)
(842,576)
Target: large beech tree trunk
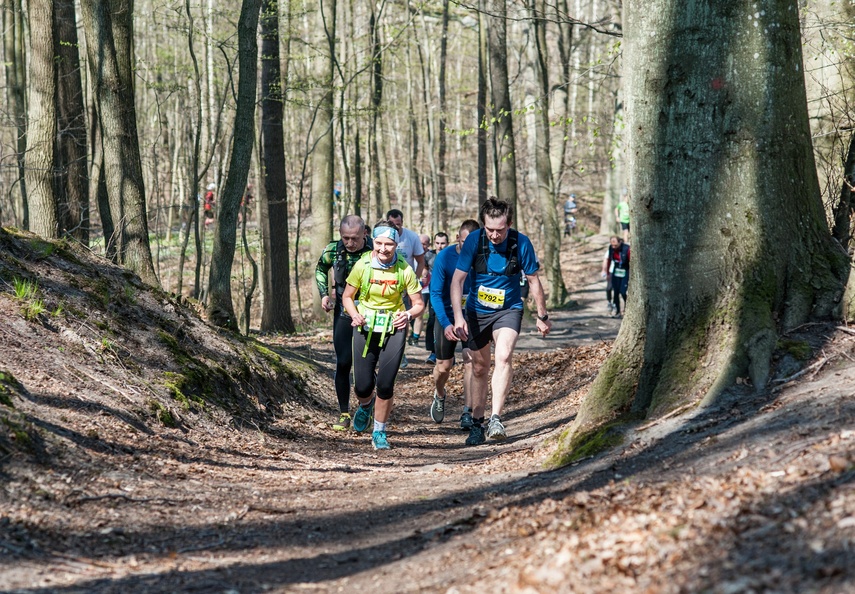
(323,151)
(109,40)
(42,125)
(730,243)
(220,306)
(276,285)
(73,179)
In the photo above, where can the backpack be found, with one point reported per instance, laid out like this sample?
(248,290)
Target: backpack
(340,267)
(512,268)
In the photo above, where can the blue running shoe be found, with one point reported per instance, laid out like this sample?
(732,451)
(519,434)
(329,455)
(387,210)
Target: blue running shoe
(379,441)
(363,417)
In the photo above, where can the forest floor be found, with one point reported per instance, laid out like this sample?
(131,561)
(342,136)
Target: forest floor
(755,494)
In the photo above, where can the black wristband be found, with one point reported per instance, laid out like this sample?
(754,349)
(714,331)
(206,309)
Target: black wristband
(543,318)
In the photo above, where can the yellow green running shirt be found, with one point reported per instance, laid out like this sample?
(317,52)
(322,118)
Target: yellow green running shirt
(383,290)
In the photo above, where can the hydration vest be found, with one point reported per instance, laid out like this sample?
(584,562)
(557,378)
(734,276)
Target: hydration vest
(512,268)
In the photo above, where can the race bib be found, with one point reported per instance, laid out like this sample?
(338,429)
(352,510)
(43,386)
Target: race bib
(492,298)
(620,272)
(378,321)
(463,302)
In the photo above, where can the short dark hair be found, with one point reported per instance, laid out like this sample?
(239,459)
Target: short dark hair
(394,214)
(469,225)
(441,234)
(495,208)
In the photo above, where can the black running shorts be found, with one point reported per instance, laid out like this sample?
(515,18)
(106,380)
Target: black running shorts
(482,326)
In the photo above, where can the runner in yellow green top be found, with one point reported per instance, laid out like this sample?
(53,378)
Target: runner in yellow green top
(622,214)
(374,299)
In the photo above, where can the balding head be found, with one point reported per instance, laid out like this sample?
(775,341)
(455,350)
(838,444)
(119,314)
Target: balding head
(352,231)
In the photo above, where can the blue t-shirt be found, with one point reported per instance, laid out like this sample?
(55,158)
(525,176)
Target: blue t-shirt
(444,266)
(493,292)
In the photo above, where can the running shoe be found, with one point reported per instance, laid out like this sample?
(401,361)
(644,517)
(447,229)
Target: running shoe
(437,408)
(379,441)
(343,422)
(404,362)
(495,429)
(431,359)
(476,435)
(363,417)
(466,420)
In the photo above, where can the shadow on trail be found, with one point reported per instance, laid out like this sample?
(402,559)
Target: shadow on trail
(428,522)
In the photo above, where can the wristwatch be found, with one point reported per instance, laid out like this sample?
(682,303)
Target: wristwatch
(544,317)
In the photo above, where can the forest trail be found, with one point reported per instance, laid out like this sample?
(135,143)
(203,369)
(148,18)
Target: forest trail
(755,495)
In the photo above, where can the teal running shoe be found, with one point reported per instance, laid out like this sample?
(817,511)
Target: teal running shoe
(379,441)
(363,417)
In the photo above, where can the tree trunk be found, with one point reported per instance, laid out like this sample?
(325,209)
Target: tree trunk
(109,42)
(505,157)
(482,102)
(276,282)
(221,309)
(731,242)
(441,192)
(42,121)
(73,178)
(323,152)
(842,225)
(543,164)
(16,84)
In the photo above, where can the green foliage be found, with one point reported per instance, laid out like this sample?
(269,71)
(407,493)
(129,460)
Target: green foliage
(27,291)
(162,413)
(8,386)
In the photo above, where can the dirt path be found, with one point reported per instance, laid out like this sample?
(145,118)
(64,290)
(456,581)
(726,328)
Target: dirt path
(744,498)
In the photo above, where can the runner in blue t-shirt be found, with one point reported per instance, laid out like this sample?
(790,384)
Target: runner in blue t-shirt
(445,340)
(496,255)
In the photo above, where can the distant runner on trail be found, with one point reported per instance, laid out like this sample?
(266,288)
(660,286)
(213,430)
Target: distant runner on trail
(617,262)
(380,279)
(445,340)
(340,256)
(497,255)
(622,213)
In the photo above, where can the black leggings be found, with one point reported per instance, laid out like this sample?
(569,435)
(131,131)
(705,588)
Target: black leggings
(430,343)
(342,336)
(619,285)
(379,367)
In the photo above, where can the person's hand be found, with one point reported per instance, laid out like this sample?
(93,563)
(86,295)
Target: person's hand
(401,320)
(327,303)
(602,275)
(544,327)
(357,321)
(461,329)
(449,333)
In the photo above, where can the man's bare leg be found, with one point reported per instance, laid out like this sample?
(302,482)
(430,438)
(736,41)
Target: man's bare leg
(480,378)
(505,340)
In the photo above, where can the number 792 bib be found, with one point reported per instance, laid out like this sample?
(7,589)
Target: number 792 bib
(492,298)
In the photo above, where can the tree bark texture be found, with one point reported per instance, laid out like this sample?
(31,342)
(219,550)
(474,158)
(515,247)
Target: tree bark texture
(108,25)
(220,305)
(481,106)
(16,84)
(42,121)
(276,285)
(441,192)
(503,125)
(323,151)
(72,178)
(731,246)
(543,163)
